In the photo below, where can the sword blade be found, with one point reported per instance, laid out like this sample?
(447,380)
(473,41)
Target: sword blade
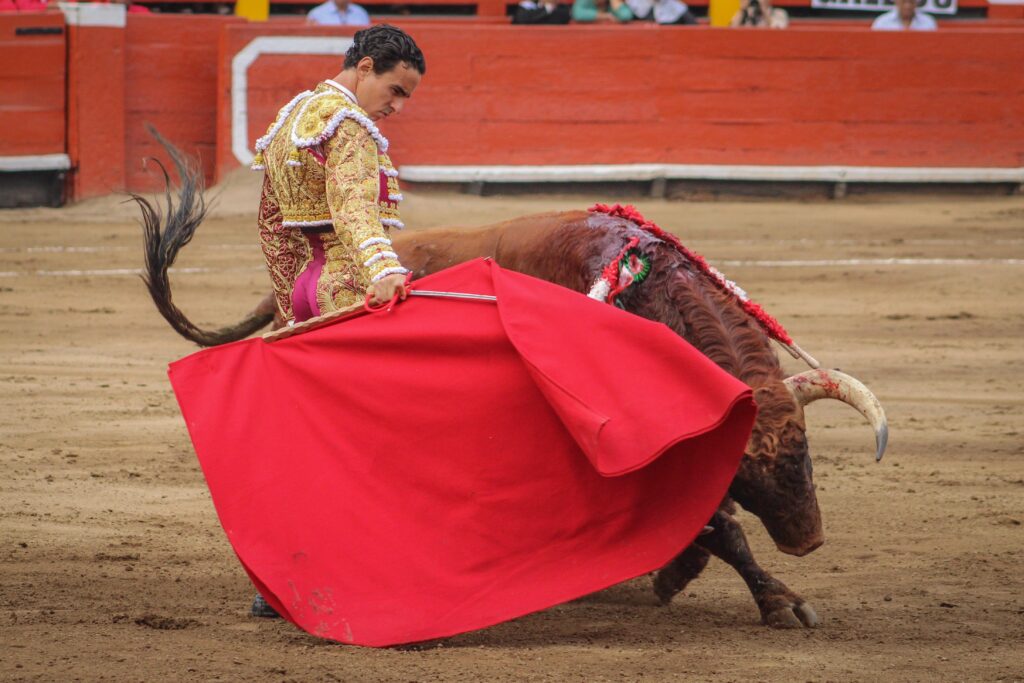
(452,295)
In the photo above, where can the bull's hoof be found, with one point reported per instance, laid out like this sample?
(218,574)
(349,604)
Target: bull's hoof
(261,608)
(665,588)
(799,615)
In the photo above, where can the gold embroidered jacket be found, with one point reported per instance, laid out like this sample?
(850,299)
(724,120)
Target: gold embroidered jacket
(327,171)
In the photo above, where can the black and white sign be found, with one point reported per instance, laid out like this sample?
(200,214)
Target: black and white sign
(929,6)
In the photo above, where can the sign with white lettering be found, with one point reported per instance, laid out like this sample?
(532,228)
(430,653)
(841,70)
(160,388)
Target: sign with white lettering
(929,6)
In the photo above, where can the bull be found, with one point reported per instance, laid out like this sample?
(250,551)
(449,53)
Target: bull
(774,480)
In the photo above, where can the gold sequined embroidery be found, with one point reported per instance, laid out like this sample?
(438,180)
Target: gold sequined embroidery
(347,181)
(286,250)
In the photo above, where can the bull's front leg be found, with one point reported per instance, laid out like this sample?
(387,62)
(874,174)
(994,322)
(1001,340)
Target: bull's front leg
(674,576)
(780,607)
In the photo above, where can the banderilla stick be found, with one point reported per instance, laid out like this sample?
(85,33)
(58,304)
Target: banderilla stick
(798,353)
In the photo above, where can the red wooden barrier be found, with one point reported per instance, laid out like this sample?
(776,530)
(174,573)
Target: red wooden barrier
(536,96)
(96,88)
(170,79)
(32,57)
(502,95)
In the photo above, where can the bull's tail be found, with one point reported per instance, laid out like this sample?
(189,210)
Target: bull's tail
(166,233)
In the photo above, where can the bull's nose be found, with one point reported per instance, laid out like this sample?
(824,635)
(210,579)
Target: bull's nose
(803,549)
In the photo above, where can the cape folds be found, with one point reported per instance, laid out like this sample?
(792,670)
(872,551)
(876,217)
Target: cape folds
(451,464)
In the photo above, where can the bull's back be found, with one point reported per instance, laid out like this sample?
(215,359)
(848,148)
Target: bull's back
(519,244)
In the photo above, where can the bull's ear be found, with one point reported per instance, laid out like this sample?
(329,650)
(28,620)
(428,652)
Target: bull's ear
(763,396)
(775,404)
(777,412)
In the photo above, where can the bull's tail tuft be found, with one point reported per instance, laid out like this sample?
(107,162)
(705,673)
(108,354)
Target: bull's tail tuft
(165,233)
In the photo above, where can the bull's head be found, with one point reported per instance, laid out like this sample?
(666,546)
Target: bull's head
(774,480)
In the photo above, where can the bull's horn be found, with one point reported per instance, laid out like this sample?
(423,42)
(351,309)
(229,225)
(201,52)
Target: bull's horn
(809,386)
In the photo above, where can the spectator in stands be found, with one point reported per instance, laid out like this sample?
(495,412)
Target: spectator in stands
(532,12)
(761,14)
(904,17)
(589,11)
(338,13)
(662,11)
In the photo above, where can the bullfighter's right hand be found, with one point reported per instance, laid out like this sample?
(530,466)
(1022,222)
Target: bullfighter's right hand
(385,289)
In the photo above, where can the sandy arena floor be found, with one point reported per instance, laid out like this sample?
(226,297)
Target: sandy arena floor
(113,566)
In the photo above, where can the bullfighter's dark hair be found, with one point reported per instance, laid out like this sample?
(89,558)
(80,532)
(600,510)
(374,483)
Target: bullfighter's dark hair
(388,46)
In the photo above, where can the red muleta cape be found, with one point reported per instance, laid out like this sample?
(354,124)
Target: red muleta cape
(453,464)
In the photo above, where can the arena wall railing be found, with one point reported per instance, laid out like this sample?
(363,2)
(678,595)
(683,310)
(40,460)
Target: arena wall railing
(517,104)
(544,104)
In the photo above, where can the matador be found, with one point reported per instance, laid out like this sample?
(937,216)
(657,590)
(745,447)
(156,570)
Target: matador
(330,192)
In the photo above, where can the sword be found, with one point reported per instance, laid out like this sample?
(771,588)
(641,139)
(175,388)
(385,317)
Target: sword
(452,295)
(320,320)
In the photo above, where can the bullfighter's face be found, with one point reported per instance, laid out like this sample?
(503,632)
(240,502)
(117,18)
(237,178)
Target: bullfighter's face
(384,94)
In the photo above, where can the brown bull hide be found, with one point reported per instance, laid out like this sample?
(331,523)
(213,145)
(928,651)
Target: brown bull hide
(571,248)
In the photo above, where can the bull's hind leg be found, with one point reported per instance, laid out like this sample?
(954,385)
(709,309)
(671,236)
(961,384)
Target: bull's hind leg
(673,577)
(780,607)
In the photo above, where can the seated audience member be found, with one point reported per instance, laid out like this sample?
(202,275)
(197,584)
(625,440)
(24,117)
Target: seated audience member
(904,17)
(662,11)
(760,13)
(338,13)
(531,12)
(588,11)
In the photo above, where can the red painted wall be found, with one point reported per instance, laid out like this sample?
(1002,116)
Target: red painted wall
(96,114)
(630,94)
(497,94)
(32,98)
(170,76)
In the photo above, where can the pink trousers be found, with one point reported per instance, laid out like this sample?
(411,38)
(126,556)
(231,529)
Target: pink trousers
(304,304)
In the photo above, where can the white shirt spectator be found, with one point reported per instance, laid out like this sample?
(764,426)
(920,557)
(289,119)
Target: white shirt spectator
(342,13)
(890,21)
(665,11)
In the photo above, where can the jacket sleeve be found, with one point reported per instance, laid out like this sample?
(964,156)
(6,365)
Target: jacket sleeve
(353,192)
